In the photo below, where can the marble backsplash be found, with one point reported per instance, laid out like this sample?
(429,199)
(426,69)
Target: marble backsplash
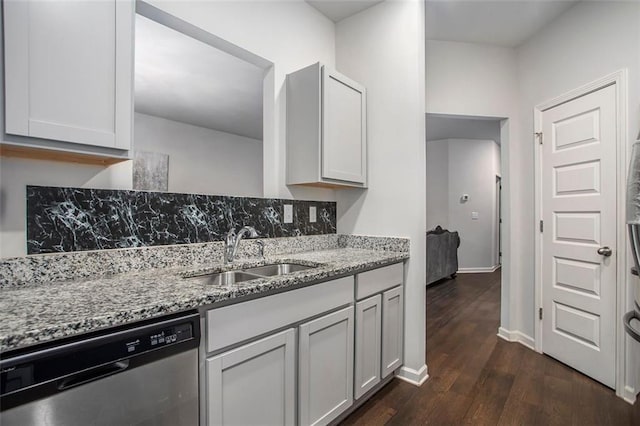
(75,219)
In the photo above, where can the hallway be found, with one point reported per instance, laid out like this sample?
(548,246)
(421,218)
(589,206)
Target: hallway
(477,378)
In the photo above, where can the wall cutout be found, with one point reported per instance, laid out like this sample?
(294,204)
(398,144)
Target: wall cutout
(76,219)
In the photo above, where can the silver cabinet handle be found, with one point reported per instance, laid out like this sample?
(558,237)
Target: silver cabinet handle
(605,251)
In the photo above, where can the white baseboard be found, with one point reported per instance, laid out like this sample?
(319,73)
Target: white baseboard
(415,377)
(481,270)
(517,336)
(629,394)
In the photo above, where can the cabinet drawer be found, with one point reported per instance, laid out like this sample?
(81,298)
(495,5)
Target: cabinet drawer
(378,280)
(235,323)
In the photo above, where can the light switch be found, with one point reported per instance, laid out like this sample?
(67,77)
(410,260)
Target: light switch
(288,213)
(474,215)
(312,214)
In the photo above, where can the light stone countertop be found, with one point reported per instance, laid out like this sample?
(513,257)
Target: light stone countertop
(39,313)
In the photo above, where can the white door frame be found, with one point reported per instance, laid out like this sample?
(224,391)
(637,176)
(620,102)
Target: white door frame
(619,79)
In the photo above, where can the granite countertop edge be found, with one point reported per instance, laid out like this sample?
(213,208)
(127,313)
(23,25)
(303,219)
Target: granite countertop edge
(197,294)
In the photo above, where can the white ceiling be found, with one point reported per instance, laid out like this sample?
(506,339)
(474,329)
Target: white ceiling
(450,127)
(337,10)
(505,23)
(182,79)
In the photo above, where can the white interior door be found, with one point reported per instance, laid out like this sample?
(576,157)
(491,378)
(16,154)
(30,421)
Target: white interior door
(579,212)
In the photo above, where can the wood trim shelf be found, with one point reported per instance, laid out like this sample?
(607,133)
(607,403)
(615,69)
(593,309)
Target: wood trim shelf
(54,155)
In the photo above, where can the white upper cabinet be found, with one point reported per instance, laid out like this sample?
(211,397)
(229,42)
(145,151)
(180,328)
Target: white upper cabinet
(326,129)
(69,71)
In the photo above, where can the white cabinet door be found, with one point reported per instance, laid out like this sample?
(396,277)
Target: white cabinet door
(253,384)
(69,70)
(325,387)
(392,330)
(368,331)
(344,139)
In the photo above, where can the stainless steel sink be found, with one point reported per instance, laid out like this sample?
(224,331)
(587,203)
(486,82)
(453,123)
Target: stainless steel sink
(247,274)
(277,269)
(229,277)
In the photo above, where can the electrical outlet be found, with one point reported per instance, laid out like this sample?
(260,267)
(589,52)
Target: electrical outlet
(288,213)
(475,215)
(313,217)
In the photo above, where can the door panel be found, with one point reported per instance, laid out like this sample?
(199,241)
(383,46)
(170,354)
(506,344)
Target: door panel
(343,131)
(325,383)
(368,345)
(392,330)
(262,374)
(579,208)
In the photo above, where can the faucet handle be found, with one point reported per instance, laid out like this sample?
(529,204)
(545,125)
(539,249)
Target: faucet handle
(252,232)
(260,244)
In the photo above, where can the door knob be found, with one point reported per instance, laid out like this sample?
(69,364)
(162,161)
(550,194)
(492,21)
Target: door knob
(605,251)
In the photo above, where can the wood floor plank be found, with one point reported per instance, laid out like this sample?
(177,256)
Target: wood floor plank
(477,378)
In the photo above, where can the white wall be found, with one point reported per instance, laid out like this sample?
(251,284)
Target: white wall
(480,80)
(587,42)
(437,189)
(291,35)
(469,79)
(470,167)
(201,160)
(472,171)
(383,48)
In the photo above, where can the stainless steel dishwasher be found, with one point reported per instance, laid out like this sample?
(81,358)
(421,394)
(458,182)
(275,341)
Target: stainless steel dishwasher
(142,374)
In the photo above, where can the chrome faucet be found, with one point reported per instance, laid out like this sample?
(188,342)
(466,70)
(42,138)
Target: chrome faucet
(233,239)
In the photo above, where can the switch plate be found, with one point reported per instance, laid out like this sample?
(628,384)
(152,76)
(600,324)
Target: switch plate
(313,217)
(474,215)
(288,213)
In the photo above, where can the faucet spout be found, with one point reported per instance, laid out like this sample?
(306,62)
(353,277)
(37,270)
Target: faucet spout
(233,240)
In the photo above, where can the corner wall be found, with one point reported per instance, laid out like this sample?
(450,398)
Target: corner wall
(383,48)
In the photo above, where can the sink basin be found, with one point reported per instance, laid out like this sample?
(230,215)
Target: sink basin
(277,269)
(247,274)
(229,277)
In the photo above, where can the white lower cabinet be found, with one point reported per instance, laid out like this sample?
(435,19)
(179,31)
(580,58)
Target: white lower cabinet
(367,335)
(325,382)
(392,330)
(310,373)
(253,384)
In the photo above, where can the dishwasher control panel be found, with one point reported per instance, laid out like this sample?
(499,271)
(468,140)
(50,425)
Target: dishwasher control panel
(160,337)
(178,333)
(76,362)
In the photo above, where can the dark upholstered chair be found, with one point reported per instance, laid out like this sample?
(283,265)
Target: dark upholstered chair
(442,254)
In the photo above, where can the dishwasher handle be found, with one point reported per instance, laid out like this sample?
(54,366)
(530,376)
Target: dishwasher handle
(87,376)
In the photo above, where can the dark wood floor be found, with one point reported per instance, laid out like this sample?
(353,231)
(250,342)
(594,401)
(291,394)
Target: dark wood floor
(478,378)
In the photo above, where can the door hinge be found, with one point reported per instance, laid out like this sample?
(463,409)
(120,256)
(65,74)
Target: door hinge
(539,136)
(542,226)
(540,313)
